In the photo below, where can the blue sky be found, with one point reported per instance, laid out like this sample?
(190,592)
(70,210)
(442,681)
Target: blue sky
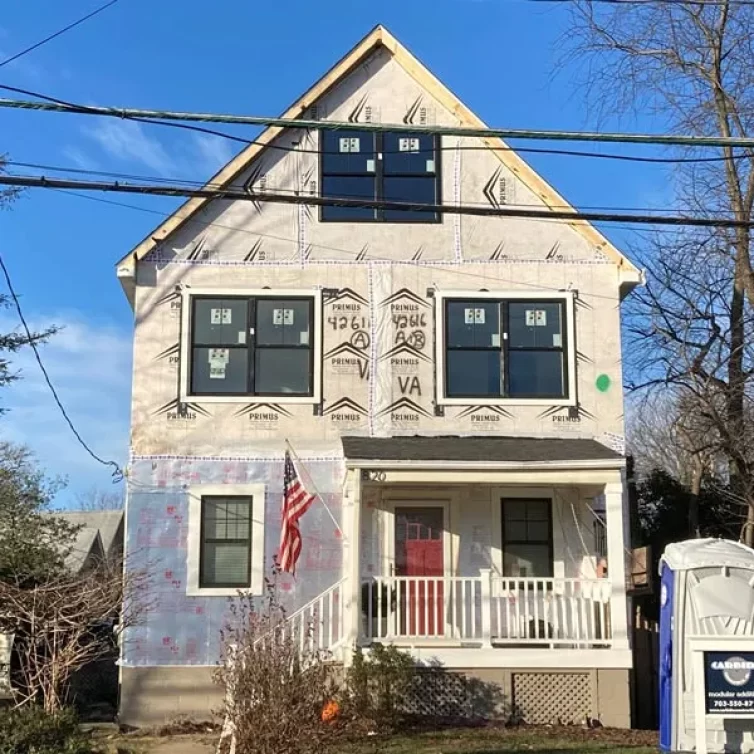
(499,56)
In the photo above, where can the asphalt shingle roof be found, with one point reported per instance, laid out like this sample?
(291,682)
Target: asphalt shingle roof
(470,449)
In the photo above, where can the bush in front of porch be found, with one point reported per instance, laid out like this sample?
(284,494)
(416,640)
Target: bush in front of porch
(377,685)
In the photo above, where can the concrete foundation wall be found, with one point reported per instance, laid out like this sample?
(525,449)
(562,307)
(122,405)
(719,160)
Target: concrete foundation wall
(154,695)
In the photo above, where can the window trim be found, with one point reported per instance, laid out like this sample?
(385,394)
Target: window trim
(379,178)
(567,297)
(203,540)
(187,305)
(194,542)
(551,532)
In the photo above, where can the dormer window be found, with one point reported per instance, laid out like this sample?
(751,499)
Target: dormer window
(387,167)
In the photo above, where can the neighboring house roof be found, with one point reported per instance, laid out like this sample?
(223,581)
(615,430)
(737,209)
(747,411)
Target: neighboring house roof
(100,535)
(379,37)
(477,449)
(87,549)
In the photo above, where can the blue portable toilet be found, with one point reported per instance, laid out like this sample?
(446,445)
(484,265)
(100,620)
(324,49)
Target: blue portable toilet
(706,589)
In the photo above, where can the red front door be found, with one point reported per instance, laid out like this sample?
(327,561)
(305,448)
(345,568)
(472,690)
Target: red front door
(419,553)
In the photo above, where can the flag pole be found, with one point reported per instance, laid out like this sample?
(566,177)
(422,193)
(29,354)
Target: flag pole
(314,487)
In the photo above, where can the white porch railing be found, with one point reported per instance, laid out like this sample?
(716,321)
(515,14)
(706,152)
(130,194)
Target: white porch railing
(320,623)
(487,609)
(574,612)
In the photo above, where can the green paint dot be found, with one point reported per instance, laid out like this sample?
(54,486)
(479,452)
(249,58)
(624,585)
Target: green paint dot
(602,383)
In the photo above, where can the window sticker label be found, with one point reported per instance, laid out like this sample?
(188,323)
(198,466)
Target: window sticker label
(536,318)
(282,316)
(219,356)
(349,146)
(218,361)
(557,340)
(220,316)
(304,339)
(495,340)
(242,337)
(407,144)
(474,316)
(430,166)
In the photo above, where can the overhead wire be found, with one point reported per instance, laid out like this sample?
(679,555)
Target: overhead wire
(350,252)
(359,203)
(447,148)
(54,104)
(117,471)
(211,184)
(57,34)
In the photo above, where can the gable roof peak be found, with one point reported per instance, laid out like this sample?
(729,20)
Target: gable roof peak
(379,36)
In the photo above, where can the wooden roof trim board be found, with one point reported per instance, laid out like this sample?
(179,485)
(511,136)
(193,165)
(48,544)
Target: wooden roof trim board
(380,36)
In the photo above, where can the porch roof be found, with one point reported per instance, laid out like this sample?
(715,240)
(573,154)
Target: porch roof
(488,450)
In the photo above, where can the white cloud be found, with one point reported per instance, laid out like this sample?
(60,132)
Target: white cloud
(80,158)
(196,156)
(213,152)
(127,141)
(90,365)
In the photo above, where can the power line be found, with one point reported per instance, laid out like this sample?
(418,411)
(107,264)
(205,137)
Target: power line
(57,33)
(320,201)
(117,471)
(211,184)
(350,252)
(55,105)
(261,234)
(449,148)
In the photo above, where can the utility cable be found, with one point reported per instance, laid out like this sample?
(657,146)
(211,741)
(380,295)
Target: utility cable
(55,105)
(448,148)
(477,276)
(117,471)
(57,33)
(320,201)
(211,184)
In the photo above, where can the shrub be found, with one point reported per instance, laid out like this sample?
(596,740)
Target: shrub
(377,685)
(276,684)
(30,730)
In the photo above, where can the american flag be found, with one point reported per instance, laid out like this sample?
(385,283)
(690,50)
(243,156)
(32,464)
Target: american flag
(296,501)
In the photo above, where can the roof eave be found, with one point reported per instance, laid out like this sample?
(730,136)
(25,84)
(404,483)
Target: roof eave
(597,463)
(126,272)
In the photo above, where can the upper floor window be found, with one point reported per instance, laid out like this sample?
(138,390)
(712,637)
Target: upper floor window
(261,346)
(499,348)
(390,167)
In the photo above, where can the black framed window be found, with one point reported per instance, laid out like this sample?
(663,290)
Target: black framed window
(225,552)
(396,167)
(260,346)
(527,538)
(498,348)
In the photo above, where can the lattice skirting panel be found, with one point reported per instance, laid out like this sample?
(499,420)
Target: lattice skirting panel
(438,693)
(541,698)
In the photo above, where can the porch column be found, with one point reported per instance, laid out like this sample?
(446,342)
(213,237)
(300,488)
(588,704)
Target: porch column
(351,564)
(616,511)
